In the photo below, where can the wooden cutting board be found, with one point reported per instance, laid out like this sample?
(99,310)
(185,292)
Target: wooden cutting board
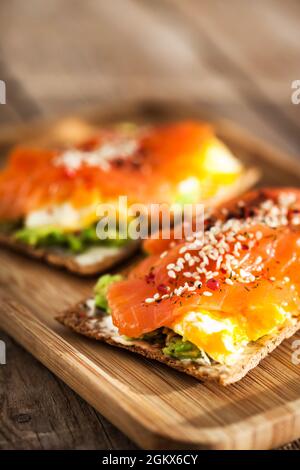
(155,405)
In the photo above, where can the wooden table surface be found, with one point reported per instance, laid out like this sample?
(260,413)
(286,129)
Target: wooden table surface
(236,59)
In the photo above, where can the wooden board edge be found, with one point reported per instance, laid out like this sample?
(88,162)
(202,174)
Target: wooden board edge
(268,152)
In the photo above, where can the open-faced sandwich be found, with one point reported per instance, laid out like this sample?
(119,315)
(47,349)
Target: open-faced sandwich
(49,198)
(212,306)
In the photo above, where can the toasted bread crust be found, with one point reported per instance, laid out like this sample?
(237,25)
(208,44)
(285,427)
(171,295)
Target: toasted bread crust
(68,261)
(77,319)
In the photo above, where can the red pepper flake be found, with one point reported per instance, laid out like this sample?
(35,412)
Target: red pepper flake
(150,277)
(89,145)
(162,289)
(245,247)
(213,284)
(69,172)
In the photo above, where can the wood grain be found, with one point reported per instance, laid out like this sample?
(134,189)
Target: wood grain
(234,59)
(38,411)
(151,403)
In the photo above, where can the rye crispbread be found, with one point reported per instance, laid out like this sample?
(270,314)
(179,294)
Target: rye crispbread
(64,259)
(79,320)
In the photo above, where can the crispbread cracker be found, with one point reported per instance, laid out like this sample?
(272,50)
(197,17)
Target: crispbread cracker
(79,320)
(63,259)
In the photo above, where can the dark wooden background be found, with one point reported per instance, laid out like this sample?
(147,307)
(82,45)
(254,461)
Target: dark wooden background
(234,58)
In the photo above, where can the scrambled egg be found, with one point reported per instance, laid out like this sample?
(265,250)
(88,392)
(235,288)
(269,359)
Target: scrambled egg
(218,168)
(218,160)
(224,337)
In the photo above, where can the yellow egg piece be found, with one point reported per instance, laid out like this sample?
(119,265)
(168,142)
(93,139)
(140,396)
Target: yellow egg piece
(222,336)
(264,320)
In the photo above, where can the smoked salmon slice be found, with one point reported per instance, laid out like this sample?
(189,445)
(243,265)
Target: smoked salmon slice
(244,266)
(167,163)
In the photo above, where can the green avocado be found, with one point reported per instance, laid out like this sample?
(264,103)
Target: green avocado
(75,242)
(101,288)
(180,349)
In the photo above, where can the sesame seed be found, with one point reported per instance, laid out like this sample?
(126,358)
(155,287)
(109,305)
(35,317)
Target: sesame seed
(177,268)
(219,248)
(187,274)
(259,235)
(191,288)
(219,261)
(171,266)
(241,238)
(198,284)
(149,300)
(296,220)
(244,258)
(243,273)
(207,293)
(172,274)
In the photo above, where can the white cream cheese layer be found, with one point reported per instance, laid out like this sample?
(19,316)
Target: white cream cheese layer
(97,254)
(64,216)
